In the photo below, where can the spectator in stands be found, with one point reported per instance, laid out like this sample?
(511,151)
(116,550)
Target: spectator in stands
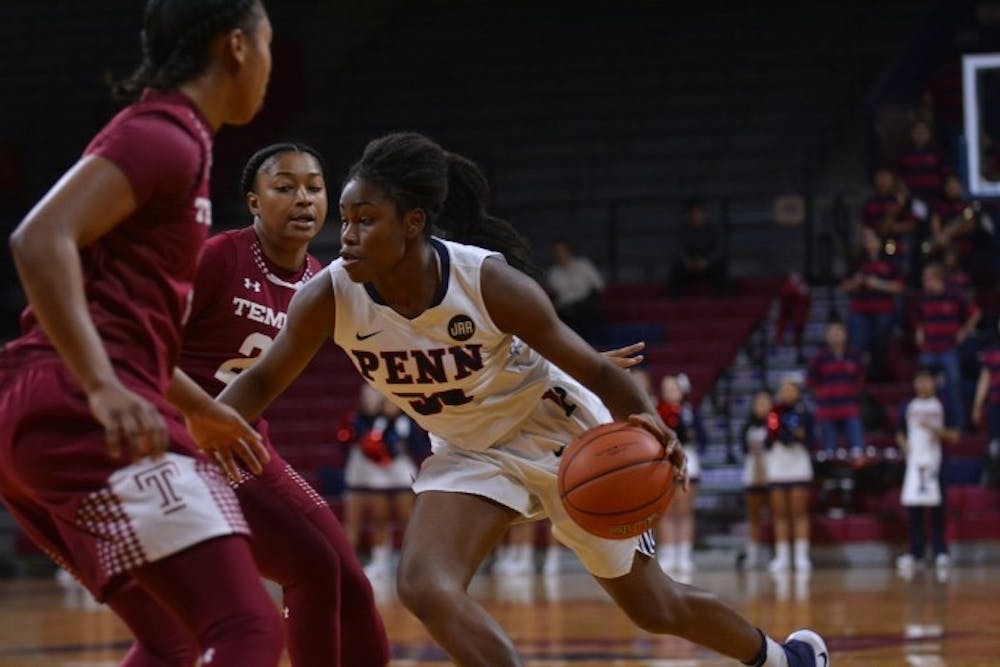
(754,438)
(873,288)
(701,254)
(576,286)
(924,430)
(676,529)
(956,278)
(923,168)
(794,302)
(955,219)
(946,320)
(835,377)
(789,477)
(378,474)
(988,388)
(888,212)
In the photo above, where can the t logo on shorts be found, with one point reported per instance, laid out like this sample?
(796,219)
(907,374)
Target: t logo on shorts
(158,478)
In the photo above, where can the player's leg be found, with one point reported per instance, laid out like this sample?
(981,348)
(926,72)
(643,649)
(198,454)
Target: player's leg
(213,590)
(448,537)
(668,536)
(659,605)
(330,610)
(917,544)
(161,640)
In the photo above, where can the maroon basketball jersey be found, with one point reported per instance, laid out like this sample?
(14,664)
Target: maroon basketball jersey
(138,277)
(240,304)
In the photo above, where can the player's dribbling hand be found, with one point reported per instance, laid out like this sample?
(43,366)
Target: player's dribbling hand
(224,435)
(131,423)
(628,356)
(675,453)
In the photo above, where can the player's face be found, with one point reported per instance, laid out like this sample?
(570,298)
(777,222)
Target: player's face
(252,78)
(924,385)
(290,199)
(373,236)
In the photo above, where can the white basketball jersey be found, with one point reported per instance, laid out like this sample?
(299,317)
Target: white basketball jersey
(450,368)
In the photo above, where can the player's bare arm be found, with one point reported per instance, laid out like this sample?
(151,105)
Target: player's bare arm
(88,201)
(518,305)
(310,323)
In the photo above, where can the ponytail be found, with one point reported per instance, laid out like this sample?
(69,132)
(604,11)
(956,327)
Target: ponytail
(464,217)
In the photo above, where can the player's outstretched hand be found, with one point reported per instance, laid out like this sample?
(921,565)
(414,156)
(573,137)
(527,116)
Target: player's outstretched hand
(628,356)
(223,434)
(675,453)
(131,423)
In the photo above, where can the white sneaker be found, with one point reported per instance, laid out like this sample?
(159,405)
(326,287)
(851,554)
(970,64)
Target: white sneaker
(813,643)
(906,563)
(779,564)
(942,561)
(803,564)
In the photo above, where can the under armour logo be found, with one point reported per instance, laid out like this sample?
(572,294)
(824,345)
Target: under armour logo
(208,656)
(285,612)
(251,284)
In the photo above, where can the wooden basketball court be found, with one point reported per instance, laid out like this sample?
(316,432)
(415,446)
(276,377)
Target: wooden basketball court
(869,617)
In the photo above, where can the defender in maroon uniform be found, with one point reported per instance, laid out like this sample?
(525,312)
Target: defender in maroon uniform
(245,282)
(107,259)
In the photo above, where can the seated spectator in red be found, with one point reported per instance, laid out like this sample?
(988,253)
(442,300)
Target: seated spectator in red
(873,288)
(576,286)
(835,378)
(946,319)
(701,253)
(988,388)
(923,167)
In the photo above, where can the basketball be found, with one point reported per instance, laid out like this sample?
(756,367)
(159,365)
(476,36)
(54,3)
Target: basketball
(615,480)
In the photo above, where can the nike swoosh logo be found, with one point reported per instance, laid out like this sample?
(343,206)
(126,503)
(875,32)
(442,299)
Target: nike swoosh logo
(559,452)
(360,337)
(825,660)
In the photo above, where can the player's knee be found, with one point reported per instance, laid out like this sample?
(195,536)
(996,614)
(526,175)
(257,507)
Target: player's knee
(423,591)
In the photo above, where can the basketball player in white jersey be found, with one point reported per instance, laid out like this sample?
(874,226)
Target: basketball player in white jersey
(437,327)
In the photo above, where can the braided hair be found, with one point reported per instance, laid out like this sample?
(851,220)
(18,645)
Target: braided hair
(175,40)
(415,172)
(248,179)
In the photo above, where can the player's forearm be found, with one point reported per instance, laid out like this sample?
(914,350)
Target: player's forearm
(982,388)
(619,392)
(249,394)
(60,303)
(185,394)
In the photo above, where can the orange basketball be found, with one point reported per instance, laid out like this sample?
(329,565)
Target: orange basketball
(615,480)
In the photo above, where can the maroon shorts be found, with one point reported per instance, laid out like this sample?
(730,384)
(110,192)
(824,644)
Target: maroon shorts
(97,516)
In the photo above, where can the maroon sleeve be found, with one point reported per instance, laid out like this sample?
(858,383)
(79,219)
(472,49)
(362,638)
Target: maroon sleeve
(158,157)
(215,268)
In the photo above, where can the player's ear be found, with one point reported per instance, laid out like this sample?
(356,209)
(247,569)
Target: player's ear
(414,222)
(253,203)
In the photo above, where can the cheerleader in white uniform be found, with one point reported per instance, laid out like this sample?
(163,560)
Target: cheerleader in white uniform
(789,477)
(378,475)
(754,438)
(676,527)
(924,432)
